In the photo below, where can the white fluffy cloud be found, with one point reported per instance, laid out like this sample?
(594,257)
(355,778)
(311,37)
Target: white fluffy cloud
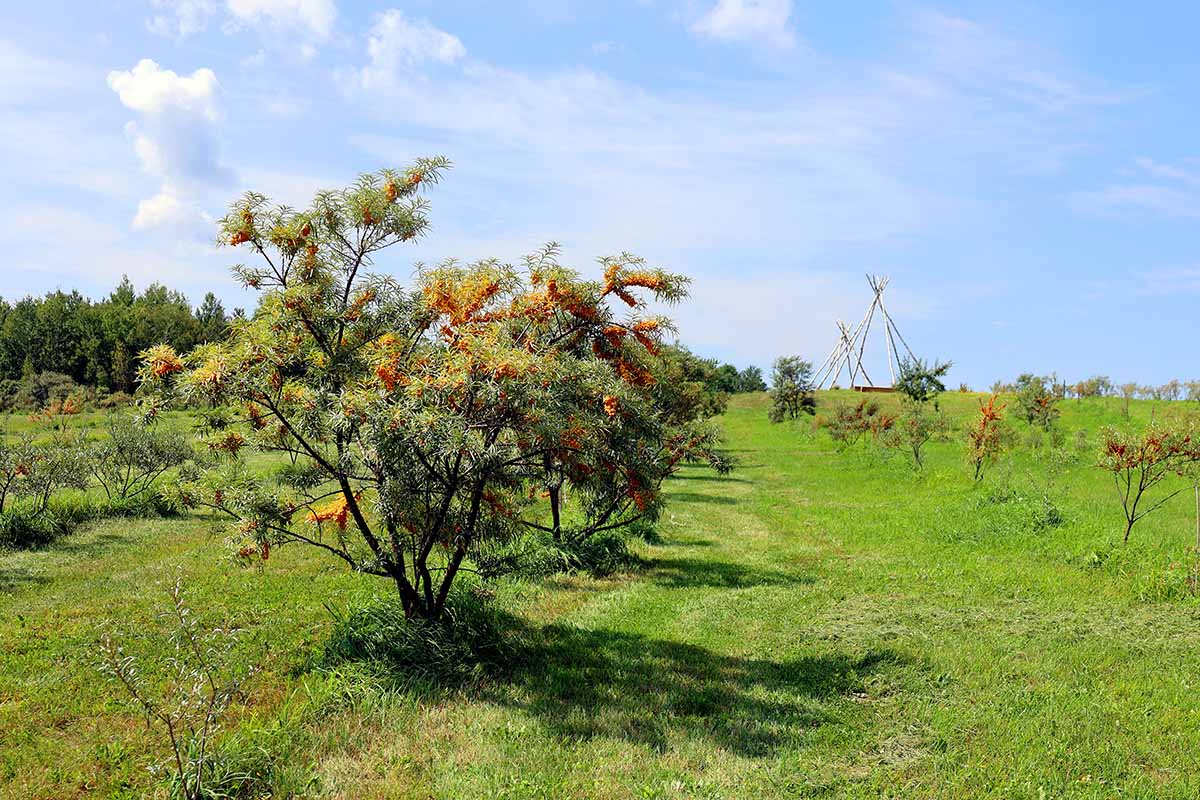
(397,44)
(174,136)
(164,209)
(315,17)
(748,20)
(154,91)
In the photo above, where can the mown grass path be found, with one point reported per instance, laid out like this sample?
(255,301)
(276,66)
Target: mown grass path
(817,624)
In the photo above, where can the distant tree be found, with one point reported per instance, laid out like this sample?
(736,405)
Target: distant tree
(1095,386)
(726,378)
(92,341)
(46,388)
(1170,390)
(751,380)
(211,319)
(1038,405)
(791,389)
(1057,386)
(1128,392)
(700,376)
(921,382)
(122,368)
(1193,390)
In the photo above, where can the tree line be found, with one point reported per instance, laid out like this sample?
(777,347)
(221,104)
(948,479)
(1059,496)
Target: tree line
(54,344)
(1102,386)
(66,338)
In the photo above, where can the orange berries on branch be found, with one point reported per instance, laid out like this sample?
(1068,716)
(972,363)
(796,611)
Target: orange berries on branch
(161,361)
(231,443)
(336,511)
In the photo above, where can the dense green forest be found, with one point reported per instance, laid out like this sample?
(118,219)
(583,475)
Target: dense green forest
(95,343)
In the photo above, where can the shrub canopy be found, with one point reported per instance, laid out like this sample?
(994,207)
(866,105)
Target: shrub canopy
(433,419)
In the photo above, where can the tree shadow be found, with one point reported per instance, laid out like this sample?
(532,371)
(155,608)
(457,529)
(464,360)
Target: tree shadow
(13,578)
(688,572)
(714,478)
(583,684)
(696,497)
(91,546)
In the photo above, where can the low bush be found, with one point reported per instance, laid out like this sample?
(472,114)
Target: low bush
(134,455)
(27,527)
(38,391)
(185,698)
(601,554)
(849,423)
(1139,462)
(914,428)
(467,644)
(249,764)
(987,437)
(537,555)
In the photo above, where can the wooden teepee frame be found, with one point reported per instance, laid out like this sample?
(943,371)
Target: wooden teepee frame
(847,355)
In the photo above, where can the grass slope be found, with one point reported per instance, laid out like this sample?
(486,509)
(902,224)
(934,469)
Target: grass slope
(817,624)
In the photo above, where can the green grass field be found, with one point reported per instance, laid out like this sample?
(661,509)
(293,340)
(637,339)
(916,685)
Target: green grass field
(816,624)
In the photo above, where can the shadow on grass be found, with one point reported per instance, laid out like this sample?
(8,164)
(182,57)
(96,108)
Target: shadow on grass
(583,684)
(713,478)
(13,578)
(696,497)
(683,572)
(90,546)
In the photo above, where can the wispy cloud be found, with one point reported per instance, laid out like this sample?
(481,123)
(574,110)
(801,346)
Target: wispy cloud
(784,178)
(313,18)
(396,46)
(299,24)
(180,18)
(1170,281)
(762,21)
(1150,187)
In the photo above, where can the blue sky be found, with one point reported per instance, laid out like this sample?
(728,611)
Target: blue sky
(1028,176)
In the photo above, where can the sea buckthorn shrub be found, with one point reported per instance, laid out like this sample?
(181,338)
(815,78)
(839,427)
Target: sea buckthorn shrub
(443,417)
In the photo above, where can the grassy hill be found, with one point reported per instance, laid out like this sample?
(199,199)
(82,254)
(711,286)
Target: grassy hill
(816,624)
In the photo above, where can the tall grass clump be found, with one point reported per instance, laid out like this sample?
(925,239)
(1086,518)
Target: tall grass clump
(463,647)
